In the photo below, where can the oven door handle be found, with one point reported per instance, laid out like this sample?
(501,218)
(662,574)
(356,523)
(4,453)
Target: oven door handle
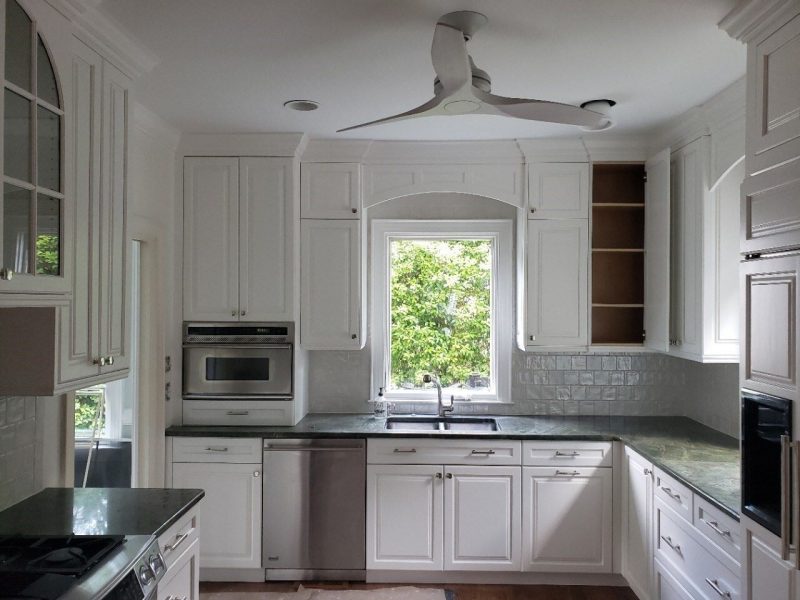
(226,397)
(259,346)
(786,495)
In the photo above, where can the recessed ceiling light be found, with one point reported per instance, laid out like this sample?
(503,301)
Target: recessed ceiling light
(301,105)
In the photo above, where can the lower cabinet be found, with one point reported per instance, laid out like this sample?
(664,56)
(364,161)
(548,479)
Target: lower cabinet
(637,523)
(567,519)
(766,575)
(182,580)
(666,586)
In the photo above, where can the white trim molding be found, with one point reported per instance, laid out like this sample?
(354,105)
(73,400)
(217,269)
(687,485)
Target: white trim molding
(242,144)
(336,151)
(500,231)
(432,153)
(751,18)
(156,128)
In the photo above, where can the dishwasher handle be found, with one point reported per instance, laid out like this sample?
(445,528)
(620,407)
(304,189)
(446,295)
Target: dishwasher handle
(313,445)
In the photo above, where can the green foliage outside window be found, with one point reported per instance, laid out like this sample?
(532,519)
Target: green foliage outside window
(440,311)
(86,402)
(47,251)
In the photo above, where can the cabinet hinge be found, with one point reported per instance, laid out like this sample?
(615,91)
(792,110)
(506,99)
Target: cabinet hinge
(644,334)
(645,176)
(752,255)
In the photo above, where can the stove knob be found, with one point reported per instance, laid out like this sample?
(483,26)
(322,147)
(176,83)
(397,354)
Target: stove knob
(146,575)
(156,563)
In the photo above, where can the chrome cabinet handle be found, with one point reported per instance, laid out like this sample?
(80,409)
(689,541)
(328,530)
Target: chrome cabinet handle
(169,548)
(572,474)
(6,274)
(671,494)
(100,361)
(715,526)
(405,450)
(567,454)
(449,475)
(237,413)
(714,583)
(242,313)
(110,360)
(438,475)
(648,471)
(786,495)
(668,541)
(256,473)
(482,452)
(217,449)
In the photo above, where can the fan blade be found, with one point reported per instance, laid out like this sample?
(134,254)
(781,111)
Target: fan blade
(542,110)
(424,110)
(450,58)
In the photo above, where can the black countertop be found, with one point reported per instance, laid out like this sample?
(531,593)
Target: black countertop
(700,457)
(98,511)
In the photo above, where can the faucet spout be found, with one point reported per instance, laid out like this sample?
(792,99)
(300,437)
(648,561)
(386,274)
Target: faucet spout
(444,407)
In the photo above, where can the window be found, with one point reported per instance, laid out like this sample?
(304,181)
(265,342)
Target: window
(31,208)
(441,304)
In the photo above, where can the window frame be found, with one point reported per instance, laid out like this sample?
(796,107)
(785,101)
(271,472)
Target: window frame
(500,232)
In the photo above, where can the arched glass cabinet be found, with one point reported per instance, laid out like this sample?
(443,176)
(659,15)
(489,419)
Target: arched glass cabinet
(31,211)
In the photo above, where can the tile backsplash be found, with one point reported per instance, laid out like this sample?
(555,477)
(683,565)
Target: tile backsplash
(17,449)
(560,384)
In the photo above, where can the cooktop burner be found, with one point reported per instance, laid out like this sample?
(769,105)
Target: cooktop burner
(62,555)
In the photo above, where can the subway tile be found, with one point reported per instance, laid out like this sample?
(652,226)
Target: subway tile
(631,378)
(15,409)
(586,378)
(562,392)
(578,392)
(609,393)
(30,408)
(578,363)
(602,377)
(594,363)
(617,378)
(623,363)
(571,377)
(609,363)
(563,363)
(2,411)
(587,408)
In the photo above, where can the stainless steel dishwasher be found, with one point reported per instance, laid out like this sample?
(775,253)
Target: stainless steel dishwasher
(314,506)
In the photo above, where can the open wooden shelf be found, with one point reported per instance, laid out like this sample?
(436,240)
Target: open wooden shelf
(617,254)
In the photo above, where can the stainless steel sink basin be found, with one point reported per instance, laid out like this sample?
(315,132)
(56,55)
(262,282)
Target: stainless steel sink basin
(442,424)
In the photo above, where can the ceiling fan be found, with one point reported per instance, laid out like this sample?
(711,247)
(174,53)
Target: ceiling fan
(461,88)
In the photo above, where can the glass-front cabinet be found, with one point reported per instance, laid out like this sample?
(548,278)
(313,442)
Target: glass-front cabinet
(32,207)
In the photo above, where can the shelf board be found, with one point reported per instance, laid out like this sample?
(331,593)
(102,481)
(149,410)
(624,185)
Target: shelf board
(618,305)
(617,249)
(617,204)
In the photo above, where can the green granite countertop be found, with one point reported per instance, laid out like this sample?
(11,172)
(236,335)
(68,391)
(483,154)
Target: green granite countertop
(700,457)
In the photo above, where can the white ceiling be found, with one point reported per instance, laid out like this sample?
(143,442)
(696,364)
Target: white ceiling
(228,65)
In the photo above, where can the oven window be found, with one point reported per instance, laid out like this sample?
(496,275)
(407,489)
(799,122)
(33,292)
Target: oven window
(237,369)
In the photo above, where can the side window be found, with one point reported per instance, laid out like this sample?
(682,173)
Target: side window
(33,149)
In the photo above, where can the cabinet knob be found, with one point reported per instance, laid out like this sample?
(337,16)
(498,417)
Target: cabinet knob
(256,473)
(354,336)
(233,313)
(110,360)
(6,274)
(100,361)
(243,313)
(438,475)
(355,210)
(648,472)
(533,210)
(532,338)
(449,475)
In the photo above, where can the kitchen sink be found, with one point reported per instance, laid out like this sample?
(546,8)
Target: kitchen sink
(442,424)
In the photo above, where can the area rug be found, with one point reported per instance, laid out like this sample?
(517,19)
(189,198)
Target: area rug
(395,593)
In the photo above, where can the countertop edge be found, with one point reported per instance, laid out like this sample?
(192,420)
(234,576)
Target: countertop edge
(183,510)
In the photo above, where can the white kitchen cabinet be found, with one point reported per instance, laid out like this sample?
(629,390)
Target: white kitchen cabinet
(637,524)
(182,579)
(770,301)
(558,191)
(765,574)
(237,232)
(482,518)
(703,249)
(667,586)
(557,284)
(404,517)
(331,307)
(770,211)
(330,190)
(230,513)
(566,519)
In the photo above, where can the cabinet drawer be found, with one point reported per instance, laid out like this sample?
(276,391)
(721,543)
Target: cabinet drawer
(409,451)
(239,412)
(181,580)
(718,528)
(674,494)
(216,450)
(175,540)
(566,454)
(676,547)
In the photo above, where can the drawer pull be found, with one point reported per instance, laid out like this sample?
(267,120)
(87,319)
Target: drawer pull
(671,494)
(169,548)
(567,454)
(668,541)
(482,452)
(715,526)
(217,449)
(238,413)
(405,450)
(714,583)
(568,473)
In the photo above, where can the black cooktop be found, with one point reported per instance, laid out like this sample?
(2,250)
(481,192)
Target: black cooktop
(44,567)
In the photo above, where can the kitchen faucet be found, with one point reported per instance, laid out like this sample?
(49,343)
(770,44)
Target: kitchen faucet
(444,408)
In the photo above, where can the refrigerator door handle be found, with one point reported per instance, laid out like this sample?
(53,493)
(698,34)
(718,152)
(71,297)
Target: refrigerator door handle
(786,495)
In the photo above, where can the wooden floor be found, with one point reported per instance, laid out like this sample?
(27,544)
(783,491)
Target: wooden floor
(463,592)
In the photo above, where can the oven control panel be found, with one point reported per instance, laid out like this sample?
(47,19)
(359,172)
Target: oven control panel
(149,569)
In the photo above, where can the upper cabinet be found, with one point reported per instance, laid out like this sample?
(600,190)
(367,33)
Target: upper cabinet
(236,240)
(330,190)
(558,191)
(770,210)
(36,103)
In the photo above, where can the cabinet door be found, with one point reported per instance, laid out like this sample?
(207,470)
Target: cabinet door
(773,105)
(404,517)
(115,310)
(637,523)
(688,195)
(79,337)
(482,518)
(211,239)
(667,586)
(765,574)
(330,190)
(657,252)
(557,283)
(770,309)
(230,514)
(566,519)
(770,210)
(330,285)
(558,191)
(182,580)
(265,226)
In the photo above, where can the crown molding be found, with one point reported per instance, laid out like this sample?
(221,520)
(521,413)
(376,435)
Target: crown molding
(470,152)
(631,148)
(243,144)
(106,36)
(553,150)
(150,124)
(344,151)
(751,18)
